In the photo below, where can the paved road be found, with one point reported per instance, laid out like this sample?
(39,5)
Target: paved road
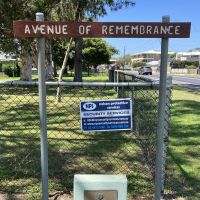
(191,82)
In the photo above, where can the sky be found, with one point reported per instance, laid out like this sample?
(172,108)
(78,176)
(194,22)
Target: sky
(152,11)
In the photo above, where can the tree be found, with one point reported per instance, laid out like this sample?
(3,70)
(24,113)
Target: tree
(15,10)
(91,9)
(58,95)
(24,48)
(48,7)
(125,59)
(96,52)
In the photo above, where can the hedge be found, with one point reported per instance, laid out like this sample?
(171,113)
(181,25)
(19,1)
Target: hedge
(184,64)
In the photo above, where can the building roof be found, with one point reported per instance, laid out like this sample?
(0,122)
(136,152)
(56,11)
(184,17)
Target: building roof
(197,53)
(152,52)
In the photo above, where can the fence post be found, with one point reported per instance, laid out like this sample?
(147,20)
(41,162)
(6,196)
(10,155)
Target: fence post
(119,80)
(42,107)
(166,126)
(161,116)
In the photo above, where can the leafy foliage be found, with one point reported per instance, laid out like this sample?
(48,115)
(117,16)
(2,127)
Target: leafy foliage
(97,51)
(138,64)
(125,59)
(11,70)
(10,11)
(188,64)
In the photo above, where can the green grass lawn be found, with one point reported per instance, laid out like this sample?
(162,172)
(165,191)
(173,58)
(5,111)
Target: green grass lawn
(92,77)
(20,147)
(70,150)
(183,174)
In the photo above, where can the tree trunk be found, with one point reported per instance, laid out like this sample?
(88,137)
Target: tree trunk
(78,60)
(26,69)
(49,60)
(58,95)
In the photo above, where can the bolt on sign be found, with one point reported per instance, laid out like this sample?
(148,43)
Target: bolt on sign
(101,29)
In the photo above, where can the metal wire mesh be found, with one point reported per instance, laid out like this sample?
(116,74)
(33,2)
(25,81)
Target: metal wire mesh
(148,110)
(70,150)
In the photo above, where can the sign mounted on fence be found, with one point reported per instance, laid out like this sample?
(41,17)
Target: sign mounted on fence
(106,115)
(101,29)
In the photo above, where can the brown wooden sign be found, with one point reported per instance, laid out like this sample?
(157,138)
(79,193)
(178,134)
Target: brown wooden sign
(25,29)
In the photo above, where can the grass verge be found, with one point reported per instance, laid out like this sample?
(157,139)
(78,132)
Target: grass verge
(183,171)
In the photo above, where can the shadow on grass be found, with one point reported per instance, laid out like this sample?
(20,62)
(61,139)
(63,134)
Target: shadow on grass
(183,173)
(110,153)
(20,164)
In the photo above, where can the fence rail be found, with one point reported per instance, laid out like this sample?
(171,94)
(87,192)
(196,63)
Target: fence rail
(70,150)
(89,84)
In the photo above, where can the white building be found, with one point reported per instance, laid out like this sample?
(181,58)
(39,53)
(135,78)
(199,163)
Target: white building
(151,58)
(6,58)
(193,56)
(148,56)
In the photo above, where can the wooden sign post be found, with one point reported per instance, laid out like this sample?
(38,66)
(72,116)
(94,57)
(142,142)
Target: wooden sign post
(46,29)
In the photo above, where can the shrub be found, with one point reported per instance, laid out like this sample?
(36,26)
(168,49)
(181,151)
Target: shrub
(11,70)
(187,64)
(138,64)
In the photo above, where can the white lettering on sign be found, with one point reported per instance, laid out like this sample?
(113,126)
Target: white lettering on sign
(84,29)
(50,29)
(27,30)
(46,29)
(105,30)
(134,29)
(42,29)
(126,30)
(177,30)
(111,30)
(64,29)
(140,30)
(35,28)
(156,30)
(119,29)
(149,29)
(81,29)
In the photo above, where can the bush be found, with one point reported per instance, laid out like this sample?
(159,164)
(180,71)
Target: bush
(184,64)
(138,64)
(11,70)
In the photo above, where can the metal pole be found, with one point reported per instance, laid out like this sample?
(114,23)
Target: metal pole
(42,107)
(161,115)
(124,58)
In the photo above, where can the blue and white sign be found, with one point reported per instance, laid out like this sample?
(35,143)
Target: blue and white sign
(106,115)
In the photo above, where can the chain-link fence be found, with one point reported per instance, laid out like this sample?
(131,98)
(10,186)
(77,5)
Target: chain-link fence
(70,150)
(147,139)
